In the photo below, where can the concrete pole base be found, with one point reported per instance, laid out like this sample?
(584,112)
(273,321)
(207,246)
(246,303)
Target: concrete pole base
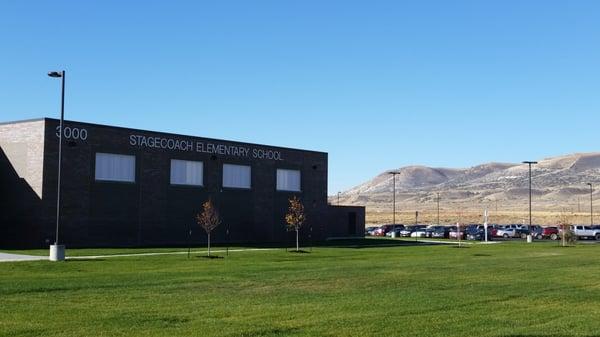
(57,252)
(529,238)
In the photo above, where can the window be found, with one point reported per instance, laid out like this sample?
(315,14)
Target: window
(185,172)
(237,176)
(115,167)
(288,180)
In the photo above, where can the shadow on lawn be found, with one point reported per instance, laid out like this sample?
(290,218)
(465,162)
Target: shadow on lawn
(548,335)
(298,251)
(374,243)
(212,257)
(74,260)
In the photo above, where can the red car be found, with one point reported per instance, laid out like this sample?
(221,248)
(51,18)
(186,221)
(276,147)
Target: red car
(381,231)
(548,232)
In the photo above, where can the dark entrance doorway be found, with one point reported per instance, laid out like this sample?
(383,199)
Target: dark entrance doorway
(351,223)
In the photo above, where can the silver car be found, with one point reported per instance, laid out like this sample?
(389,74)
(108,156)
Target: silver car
(507,233)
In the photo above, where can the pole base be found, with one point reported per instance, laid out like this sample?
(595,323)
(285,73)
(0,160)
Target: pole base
(529,238)
(57,253)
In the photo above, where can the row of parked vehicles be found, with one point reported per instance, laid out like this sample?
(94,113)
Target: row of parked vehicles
(477,231)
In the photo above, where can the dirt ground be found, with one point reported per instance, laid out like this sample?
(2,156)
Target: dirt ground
(471,216)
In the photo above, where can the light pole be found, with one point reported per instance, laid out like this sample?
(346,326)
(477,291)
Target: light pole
(591,204)
(338,203)
(393,173)
(530,236)
(438,208)
(57,252)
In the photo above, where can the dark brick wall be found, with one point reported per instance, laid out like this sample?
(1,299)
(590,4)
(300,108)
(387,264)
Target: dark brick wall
(153,212)
(346,221)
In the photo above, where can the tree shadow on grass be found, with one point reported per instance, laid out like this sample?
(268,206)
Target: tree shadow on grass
(301,251)
(376,243)
(212,257)
(547,335)
(72,260)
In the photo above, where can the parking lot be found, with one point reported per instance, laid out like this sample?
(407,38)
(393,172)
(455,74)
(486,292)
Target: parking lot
(491,232)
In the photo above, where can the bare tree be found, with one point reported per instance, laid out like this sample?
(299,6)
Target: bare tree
(567,235)
(295,217)
(209,219)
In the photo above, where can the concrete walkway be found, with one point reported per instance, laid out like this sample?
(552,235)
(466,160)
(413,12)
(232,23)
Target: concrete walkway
(193,252)
(5,257)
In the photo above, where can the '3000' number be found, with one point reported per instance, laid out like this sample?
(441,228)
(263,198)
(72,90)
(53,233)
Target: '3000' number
(72,133)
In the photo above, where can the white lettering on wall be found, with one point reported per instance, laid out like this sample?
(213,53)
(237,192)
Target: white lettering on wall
(202,147)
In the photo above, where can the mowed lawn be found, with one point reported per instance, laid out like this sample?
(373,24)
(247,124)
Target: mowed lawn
(508,289)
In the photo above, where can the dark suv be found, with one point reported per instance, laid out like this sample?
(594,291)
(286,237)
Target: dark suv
(436,232)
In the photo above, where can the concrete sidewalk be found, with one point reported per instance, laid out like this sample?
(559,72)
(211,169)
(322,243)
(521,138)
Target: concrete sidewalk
(84,257)
(5,257)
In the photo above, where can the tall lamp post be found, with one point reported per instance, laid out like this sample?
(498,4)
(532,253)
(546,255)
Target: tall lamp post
(591,204)
(438,207)
(57,252)
(394,173)
(530,236)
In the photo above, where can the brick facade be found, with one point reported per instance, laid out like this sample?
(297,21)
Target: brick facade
(151,211)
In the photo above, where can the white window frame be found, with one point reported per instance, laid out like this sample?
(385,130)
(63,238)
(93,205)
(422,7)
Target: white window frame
(223,183)
(282,189)
(132,179)
(187,183)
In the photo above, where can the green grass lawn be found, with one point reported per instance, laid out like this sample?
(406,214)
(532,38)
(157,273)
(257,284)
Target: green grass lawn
(390,288)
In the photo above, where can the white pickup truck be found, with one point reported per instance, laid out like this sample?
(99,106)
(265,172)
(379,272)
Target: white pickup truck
(586,232)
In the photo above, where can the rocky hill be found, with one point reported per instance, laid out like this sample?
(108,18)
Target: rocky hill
(559,183)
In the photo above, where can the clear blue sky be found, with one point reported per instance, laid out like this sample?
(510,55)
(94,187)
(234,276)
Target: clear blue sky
(376,84)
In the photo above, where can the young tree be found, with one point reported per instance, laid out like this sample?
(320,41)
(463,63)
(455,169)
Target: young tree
(567,235)
(295,217)
(209,219)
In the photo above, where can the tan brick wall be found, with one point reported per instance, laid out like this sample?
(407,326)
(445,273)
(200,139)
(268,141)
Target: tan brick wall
(23,145)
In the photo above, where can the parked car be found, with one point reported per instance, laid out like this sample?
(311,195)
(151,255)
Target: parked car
(406,232)
(586,232)
(477,232)
(378,232)
(418,232)
(493,228)
(382,231)
(397,229)
(524,231)
(550,232)
(474,233)
(515,226)
(453,232)
(370,230)
(440,232)
(431,230)
(507,233)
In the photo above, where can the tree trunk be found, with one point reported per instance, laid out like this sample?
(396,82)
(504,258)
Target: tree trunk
(297,245)
(208,244)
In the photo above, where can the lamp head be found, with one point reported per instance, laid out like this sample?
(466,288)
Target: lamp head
(55,74)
